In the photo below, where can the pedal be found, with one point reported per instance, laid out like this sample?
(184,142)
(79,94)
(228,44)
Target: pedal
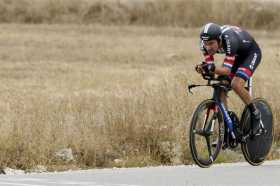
(251,135)
(264,131)
(225,146)
(260,132)
(244,138)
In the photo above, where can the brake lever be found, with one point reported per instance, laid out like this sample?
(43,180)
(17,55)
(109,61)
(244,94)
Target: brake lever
(193,86)
(190,87)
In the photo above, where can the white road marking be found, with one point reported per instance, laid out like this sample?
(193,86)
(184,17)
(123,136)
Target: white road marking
(18,184)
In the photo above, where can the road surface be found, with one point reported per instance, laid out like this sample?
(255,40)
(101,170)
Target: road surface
(238,174)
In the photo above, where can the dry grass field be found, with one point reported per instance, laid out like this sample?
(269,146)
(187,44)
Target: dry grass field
(108,92)
(183,13)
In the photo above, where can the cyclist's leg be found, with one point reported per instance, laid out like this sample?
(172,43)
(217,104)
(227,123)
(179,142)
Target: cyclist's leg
(238,85)
(244,72)
(226,79)
(223,94)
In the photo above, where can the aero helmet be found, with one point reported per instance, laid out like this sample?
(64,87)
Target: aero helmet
(210,31)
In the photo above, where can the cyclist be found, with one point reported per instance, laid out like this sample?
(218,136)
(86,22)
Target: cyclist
(242,56)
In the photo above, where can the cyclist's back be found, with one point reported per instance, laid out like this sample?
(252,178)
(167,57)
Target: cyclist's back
(237,41)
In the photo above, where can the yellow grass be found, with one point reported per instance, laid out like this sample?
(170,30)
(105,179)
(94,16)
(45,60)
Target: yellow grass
(183,13)
(107,92)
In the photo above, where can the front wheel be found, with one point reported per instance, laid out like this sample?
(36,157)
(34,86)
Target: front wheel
(206,133)
(256,148)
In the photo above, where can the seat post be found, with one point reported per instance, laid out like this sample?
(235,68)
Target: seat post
(250,86)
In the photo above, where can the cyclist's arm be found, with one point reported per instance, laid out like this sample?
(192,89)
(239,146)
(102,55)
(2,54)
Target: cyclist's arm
(210,59)
(207,57)
(231,43)
(227,65)
(222,71)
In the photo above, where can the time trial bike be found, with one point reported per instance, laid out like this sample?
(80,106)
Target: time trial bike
(213,127)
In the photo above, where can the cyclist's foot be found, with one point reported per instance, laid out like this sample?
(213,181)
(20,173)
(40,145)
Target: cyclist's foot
(258,127)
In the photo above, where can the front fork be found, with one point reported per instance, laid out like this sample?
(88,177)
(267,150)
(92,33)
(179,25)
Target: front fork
(227,120)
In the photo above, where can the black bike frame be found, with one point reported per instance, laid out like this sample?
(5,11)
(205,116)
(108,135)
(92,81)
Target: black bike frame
(227,119)
(218,89)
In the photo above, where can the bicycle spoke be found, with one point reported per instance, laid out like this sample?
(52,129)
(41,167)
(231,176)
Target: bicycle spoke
(200,132)
(206,119)
(209,148)
(210,125)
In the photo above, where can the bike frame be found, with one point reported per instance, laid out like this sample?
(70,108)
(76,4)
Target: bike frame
(218,88)
(255,150)
(227,119)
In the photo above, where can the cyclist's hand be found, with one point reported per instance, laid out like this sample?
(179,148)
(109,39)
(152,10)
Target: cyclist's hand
(205,68)
(208,68)
(199,68)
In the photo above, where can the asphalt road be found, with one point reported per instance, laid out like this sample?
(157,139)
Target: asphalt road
(238,174)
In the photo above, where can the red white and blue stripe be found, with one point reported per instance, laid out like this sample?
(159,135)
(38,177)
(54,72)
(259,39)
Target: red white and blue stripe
(229,61)
(244,73)
(209,58)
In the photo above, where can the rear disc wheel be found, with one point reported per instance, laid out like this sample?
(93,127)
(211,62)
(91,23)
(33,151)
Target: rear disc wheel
(257,148)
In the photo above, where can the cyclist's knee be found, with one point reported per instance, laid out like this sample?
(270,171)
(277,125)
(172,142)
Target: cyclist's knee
(237,83)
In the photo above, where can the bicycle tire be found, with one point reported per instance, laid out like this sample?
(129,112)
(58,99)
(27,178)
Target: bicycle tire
(256,149)
(199,155)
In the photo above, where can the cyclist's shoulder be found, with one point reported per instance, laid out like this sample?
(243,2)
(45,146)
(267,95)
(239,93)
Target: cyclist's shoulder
(234,32)
(229,32)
